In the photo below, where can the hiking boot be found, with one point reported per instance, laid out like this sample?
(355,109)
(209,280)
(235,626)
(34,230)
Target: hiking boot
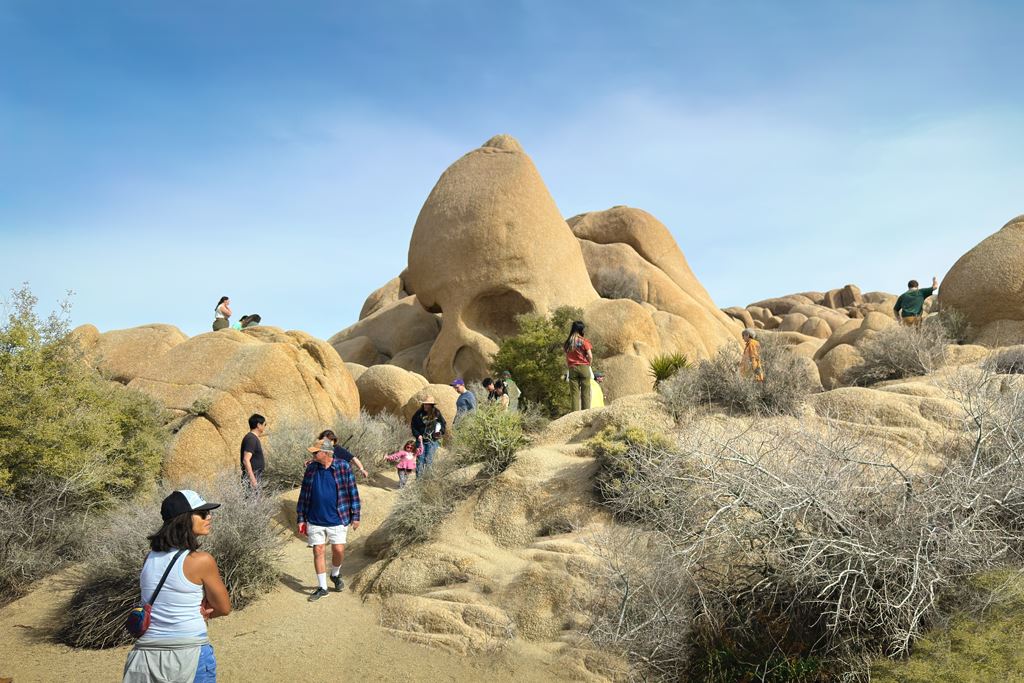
(338,583)
(317,594)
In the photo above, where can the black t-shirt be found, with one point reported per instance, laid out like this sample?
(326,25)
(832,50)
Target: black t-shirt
(342,454)
(251,444)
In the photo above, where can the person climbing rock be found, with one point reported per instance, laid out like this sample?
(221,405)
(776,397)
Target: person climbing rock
(910,304)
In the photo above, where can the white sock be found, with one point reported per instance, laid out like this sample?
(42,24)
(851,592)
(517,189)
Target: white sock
(335,570)
(322,580)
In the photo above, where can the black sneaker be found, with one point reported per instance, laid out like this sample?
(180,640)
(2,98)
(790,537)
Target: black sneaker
(338,583)
(317,594)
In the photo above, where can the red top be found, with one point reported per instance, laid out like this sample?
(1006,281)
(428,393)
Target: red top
(577,353)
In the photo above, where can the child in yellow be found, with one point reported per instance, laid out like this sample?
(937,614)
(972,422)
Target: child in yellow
(750,362)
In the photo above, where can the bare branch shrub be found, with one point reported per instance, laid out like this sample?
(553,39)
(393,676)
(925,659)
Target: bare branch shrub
(808,550)
(618,283)
(717,382)
(900,351)
(368,437)
(245,542)
(1007,362)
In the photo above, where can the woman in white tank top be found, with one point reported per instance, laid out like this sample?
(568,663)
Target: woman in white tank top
(222,314)
(176,647)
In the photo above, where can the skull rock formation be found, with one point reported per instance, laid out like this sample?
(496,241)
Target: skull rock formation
(489,244)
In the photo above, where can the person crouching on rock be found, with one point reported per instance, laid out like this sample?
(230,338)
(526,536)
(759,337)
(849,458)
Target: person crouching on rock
(405,460)
(750,361)
(328,506)
(184,589)
(428,426)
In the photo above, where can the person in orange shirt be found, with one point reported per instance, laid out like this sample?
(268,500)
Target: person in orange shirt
(579,354)
(750,361)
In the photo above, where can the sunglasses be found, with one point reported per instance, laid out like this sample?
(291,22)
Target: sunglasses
(204,514)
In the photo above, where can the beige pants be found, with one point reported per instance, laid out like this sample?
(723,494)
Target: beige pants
(579,384)
(912,320)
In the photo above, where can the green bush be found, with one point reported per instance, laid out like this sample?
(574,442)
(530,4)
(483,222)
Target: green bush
(665,366)
(624,454)
(717,382)
(245,542)
(535,358)
(57,414)
(488,435)
(71,444)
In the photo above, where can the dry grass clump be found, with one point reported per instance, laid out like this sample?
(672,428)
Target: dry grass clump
(899,351)
(618,284)
(244,541)
(807,551)
(717,382)
(1007,362)
(368,437)
(489,435)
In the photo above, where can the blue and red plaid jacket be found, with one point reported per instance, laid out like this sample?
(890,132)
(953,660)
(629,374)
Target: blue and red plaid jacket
(345,484)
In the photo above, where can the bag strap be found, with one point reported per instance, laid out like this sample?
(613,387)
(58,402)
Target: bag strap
(164,577)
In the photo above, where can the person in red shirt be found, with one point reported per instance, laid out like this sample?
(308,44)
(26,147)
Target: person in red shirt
(579,354)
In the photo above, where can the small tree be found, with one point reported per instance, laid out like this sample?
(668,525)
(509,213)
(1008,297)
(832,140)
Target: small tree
(534,357)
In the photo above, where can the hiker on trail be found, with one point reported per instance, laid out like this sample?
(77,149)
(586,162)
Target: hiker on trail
(328,506)
(488,384)
(466,400)
(340,452)
(596,392)
(500,396)
(222,314)
(750,361)
(910,304)
(429,426)
(184,589)
(512,389)
(251,453)
(405,460)
(579,354)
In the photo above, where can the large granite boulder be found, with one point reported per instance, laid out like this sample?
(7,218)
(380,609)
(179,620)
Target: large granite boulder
(121,355)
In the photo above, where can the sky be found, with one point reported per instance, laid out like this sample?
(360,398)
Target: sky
(155,156)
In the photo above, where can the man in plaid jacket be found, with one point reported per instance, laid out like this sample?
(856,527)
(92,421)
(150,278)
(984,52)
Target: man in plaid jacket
(328,505)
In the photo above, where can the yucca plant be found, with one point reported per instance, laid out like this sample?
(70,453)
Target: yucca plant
(667,365)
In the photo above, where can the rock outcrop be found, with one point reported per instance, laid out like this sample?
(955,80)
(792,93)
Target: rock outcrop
(213,382)
(987,286)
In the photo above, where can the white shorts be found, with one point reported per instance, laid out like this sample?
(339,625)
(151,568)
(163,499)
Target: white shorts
(318,535)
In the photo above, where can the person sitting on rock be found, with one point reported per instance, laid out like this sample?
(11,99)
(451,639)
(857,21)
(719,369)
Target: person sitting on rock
(222,314)
(240,323)
(750,361)
(910,304)
(251,320)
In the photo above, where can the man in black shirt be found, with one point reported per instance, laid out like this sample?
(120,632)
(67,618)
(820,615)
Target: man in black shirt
(251,453)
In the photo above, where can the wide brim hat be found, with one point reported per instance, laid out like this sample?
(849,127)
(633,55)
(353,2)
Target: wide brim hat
(428,398)
(181,502)
(326,446)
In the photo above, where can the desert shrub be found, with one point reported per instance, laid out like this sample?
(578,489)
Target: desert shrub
(619,283)
(641,605)
(899,351)
(244,541)
(614,448)
(1007,362)
(810,550)
(717,382)
(665,366)
(489,435)
(368,437)
(71,443)
(534,357)
(955,325)
(534,419)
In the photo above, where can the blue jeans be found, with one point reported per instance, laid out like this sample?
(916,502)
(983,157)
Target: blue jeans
(207,670)
(426,461)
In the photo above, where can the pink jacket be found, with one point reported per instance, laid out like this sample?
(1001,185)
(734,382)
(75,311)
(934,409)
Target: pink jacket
(406,459)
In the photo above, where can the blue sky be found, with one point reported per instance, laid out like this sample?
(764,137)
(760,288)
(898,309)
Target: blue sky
(156,155)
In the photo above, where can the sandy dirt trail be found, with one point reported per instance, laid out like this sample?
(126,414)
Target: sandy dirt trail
(281,637)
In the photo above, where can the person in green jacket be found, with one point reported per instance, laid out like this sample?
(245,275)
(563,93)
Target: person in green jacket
(910,304)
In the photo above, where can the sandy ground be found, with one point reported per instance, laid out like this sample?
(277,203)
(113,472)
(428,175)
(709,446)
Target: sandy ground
(281,637)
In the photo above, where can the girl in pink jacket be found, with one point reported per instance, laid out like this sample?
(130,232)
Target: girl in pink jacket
(405,459)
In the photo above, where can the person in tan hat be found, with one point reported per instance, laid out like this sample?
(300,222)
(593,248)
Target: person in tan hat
(428,426)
